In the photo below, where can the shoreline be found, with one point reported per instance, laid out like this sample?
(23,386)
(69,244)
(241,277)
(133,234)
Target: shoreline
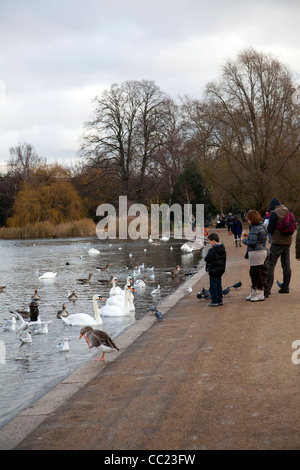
(16,429)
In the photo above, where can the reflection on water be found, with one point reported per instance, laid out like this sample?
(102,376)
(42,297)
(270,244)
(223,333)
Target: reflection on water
(30,370)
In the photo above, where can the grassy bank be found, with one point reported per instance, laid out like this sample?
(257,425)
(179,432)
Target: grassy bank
(76,228)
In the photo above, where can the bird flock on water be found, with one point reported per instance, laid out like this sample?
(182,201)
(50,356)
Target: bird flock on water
(27,322)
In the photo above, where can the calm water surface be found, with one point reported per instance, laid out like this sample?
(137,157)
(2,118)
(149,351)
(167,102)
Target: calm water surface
(28,371)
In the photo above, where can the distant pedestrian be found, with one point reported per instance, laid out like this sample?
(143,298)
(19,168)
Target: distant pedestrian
(237,229)
(256,254)
(215,266)
(280,246)
(229,223)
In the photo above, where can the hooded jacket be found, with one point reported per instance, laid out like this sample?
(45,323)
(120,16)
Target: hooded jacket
(216,260)
(276,216)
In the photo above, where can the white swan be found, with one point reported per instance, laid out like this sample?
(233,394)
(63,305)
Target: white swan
(93,251)
(117,306)
(115,290)
(84,319)
(186,248)
(48,275)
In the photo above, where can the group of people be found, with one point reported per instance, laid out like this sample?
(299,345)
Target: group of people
(262,260)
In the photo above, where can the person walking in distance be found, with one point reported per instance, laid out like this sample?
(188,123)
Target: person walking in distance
(280,246)
(237,229)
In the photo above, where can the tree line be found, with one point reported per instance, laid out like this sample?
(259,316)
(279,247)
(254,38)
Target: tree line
(234,149)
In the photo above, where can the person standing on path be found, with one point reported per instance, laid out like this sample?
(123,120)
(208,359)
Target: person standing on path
(280,246)
(215,266)
(229,223)
(256,254)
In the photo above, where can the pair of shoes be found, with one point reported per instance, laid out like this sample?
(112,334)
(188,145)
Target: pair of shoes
(212,304)
(284,291)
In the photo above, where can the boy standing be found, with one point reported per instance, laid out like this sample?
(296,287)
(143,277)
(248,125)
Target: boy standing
(215,266)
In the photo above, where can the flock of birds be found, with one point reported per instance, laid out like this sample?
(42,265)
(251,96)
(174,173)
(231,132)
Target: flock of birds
(206,295)
(120,303)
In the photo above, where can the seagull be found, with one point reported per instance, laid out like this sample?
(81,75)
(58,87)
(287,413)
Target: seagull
(189,289)
(10,324)
(158,315)
(157,290)
(25,339)
(24,324)
(64,346)
(98,339)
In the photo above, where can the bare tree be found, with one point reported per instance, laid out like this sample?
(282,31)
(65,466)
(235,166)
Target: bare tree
(23,160)
(125,132)
(248,127)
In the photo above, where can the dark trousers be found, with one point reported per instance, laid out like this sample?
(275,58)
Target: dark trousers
(215,287)
(257,277)
(282,251)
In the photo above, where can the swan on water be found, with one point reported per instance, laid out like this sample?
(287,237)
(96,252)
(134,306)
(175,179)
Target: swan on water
(117,306)
(48,275)
(84,319)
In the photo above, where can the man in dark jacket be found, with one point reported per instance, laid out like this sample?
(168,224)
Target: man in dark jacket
(280,246)
(215,266)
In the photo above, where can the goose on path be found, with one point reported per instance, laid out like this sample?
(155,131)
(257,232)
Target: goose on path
(98,339)
(84,319)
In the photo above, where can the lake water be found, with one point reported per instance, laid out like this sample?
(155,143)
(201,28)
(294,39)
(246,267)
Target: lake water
(28,371)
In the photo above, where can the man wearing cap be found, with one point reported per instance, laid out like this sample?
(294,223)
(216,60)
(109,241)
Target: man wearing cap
(280,246)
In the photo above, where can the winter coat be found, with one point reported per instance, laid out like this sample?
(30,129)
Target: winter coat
(216,260)
(237,228)
(257,237)
(276,216)
(298,242)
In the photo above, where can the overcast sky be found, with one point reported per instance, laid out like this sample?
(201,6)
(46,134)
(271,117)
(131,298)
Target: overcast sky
(55,57)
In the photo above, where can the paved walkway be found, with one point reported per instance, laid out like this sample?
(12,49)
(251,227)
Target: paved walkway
(203,378)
